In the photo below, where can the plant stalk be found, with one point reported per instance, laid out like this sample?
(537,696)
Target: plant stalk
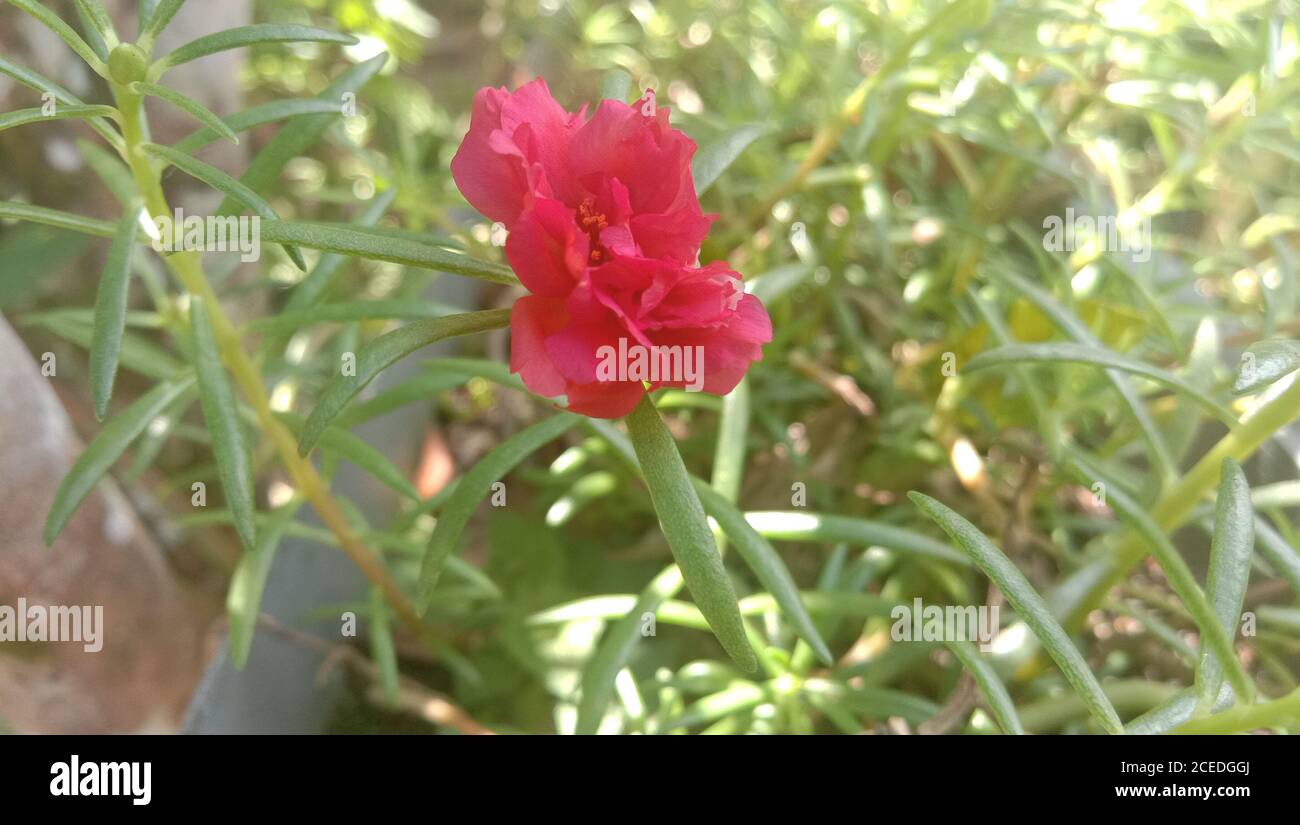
(188,267)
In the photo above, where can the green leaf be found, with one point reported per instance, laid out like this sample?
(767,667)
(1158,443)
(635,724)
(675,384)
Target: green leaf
(1079,331)
(219,180)
(110,312)
(98,31)
(21,117)
(348,446)
(295,137)
(244,598)
(405,310)
(1027,604)
(380,353)
(245,36)
(110,169)
(162,14)
(1284,712)
(252,117)
(822,527)
(729,454)
(65,33)
(314,286)
(615,84)
(44,85)
(995,693)
(104,449)
(1279,553)
(684,525)
(1264,362)
(55,218)
(771,285)
(1225,584)
(221,413)
(1017,354)
(189,105)
(366,243)
(96,15)
(472,488)
(148,447)
(382,649)
(413,389)
(137,354)
(766,564)
(1180,577)
(1173,712)
(713,159)
(615,648)
(738,697)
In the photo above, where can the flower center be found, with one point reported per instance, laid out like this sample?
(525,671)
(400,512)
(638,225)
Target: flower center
(591,222)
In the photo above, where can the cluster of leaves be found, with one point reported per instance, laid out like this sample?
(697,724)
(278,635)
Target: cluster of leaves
(883,178)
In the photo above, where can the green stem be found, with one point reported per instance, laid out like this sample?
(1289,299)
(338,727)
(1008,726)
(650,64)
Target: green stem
(188,268)
(1242,718)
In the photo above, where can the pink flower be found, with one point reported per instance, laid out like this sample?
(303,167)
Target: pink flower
(605,231)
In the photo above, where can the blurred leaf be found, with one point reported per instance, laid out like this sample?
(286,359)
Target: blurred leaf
(404,310)
(110,312)
(382,352)
(473,487)
(110,169)
(104,449)
(220,181)
(157,18)
(295,137)
(252,117)
(413,389)
(348,446)
(1076,329)
(1278,713)
(382,650)
(713,159)
(244,36)
(32,80)
(616,84)
(1028,605)
(90,30)
(94,13)
(64,31)
(804,526)
(188,105)
(137,354)
(1213,635)
(20,117)
(365,243)
(766,564)
(995,693)
(221,413)
(1081,354)
(55,218)
(1265,362)
(244,597)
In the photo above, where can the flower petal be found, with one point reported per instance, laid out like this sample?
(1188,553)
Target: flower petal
(546,250)
(532,319)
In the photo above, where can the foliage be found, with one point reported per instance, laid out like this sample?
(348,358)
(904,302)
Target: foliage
(885,176)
